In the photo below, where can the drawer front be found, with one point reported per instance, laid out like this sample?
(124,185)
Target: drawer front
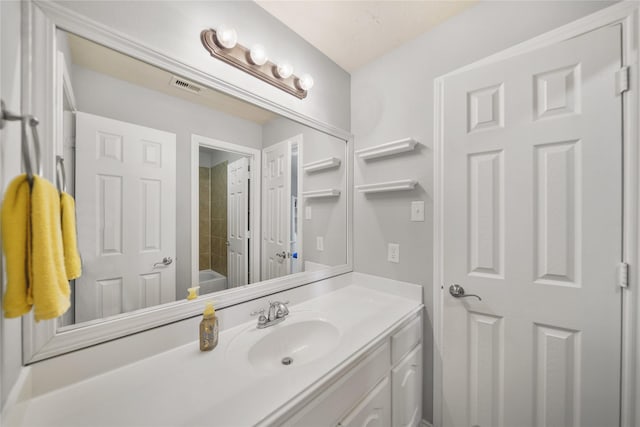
(405,339)
(374,410)
(406,386)
(328,408)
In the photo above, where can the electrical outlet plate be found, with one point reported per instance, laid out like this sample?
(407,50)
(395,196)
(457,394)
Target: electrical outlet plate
(307,212)
(393,252)
(320,243)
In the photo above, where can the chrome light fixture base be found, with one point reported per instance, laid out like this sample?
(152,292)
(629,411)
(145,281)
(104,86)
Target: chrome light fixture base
(239,57)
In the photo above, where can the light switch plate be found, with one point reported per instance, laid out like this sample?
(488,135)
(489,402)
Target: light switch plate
(320,243)
(393,252)
(307,212)
(417,210)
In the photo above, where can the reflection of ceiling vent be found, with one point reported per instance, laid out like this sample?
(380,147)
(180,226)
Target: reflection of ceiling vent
(185,85)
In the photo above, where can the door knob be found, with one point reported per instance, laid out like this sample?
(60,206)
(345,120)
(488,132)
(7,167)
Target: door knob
(281,256)
(457,291)
(165,261)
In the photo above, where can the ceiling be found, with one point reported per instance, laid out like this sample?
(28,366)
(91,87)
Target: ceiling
(115,64)
(354,33)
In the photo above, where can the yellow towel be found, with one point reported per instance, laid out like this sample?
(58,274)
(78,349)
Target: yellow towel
(72,262)
(15,232)
(49,289)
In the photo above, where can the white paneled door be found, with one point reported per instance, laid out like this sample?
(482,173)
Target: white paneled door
(276,210)
(532,154)
(237,222)
(126,209)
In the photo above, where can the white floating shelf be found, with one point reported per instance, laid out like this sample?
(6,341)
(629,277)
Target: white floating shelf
(329,192)
(387,149)
(401,185)
(331,162)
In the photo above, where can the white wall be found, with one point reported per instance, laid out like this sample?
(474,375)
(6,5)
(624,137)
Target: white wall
(328,216)
(106,96)
(10,78)
(173,28)
(392,98)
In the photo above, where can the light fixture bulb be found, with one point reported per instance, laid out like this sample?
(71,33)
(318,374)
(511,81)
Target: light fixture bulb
(305,82)
(258,55)
(227,37)
(284,70)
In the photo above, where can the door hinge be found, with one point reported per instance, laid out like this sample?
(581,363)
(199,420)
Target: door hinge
(622,79)
(623,275)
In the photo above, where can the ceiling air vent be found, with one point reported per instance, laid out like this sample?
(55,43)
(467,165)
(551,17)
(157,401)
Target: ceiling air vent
(185,85)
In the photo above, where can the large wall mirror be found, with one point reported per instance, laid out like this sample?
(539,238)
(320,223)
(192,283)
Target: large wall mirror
(128,160)
(184,191)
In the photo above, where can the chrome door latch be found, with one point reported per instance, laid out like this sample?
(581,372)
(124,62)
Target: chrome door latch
(165,262)
(457,291)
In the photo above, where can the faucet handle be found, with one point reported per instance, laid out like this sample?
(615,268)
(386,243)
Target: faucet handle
(282,309)
(262,320)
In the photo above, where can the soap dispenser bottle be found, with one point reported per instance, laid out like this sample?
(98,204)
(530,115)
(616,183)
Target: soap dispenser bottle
(208,329)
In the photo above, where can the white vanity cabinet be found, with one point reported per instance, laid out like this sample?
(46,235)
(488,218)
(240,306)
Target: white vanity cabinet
(406,375)
(383,389)
(374,410)
(406,378)
(365,369)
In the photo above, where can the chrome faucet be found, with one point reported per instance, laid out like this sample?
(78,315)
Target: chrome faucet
(277,312)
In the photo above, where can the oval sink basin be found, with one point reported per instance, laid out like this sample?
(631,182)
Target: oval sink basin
(302,342)
(293,342)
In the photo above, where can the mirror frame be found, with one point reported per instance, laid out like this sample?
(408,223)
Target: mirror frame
(40,97)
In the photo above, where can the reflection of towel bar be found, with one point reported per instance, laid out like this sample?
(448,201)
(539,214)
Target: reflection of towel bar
(7,116)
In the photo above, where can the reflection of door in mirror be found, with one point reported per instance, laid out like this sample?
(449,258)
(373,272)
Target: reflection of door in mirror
(224,209)
(280,194)
(237,222)
(125,187)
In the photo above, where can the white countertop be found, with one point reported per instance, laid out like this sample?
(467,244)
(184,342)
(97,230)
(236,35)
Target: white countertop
(187,387)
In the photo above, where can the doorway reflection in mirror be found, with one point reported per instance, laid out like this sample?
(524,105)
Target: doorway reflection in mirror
(224,228)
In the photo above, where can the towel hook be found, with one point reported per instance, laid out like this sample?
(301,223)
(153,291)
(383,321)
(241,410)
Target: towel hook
(61,176)
(32,122)
(7,116)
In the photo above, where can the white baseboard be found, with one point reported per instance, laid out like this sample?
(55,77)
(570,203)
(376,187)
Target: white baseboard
(424,423)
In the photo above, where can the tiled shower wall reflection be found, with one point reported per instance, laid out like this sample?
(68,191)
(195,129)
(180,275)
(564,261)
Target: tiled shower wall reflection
(219,218)
(204,218)
(213,218)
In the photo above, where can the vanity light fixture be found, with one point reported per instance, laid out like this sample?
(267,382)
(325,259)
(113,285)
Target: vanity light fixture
(284,70)
(258,55)
(227,37)
(222,43)
(305,82)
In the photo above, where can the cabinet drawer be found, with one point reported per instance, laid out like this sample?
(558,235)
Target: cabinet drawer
(405,339)
(406,386)
(328,408)
(374,410)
